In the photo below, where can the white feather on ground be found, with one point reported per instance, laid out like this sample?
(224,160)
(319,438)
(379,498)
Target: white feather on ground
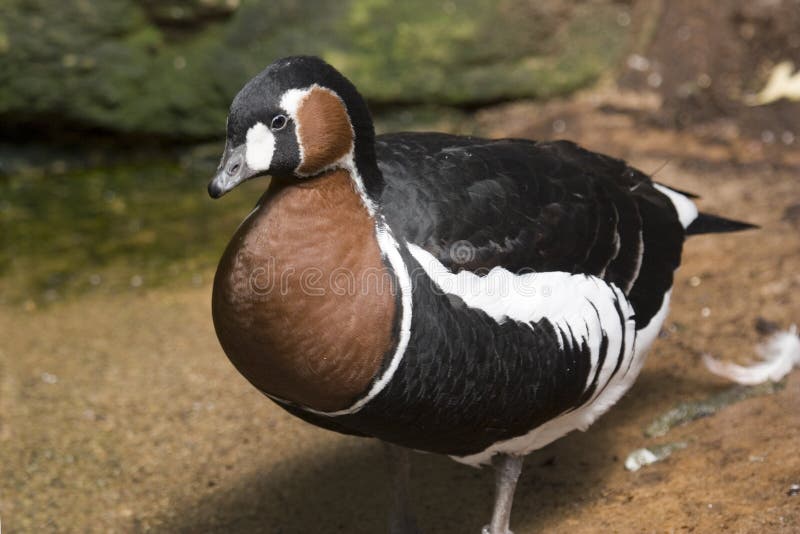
(783,82)
(779,354)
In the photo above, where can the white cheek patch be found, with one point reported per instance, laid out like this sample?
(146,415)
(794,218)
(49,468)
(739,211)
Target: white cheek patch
(260,147)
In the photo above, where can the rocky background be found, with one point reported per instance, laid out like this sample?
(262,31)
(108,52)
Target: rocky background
(170,68)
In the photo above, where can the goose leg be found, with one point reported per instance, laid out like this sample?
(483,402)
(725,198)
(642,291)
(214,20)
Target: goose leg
(506,472)
(401,517)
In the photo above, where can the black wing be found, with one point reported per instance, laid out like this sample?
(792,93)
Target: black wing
(525,205)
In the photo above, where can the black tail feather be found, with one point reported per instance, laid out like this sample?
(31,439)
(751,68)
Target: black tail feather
(711,224)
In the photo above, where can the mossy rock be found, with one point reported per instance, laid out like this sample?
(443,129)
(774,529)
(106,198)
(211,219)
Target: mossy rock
(170,68)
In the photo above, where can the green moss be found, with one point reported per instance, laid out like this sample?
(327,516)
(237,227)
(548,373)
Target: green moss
(473,52)
(110,229)
(171,68)
(689,411)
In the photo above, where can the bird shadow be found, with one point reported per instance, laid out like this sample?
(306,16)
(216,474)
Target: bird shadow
(344,488)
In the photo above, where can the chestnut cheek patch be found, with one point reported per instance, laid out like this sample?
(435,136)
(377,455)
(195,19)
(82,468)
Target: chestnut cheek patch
(324,131)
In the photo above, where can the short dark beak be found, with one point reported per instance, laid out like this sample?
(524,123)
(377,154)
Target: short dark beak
(232,171)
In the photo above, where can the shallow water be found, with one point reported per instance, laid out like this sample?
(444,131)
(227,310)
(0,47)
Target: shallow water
(118,228)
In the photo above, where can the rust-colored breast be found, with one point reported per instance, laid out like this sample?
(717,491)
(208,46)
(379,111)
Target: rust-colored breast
(303,304)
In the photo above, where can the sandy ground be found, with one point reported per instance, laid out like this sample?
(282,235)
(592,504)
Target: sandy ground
(121,413)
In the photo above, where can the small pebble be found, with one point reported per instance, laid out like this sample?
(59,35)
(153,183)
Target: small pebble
(794,490)
(792,213)
(694,281)
(705,312)
(49,378)
(637,62)
(639,458)
(765,326)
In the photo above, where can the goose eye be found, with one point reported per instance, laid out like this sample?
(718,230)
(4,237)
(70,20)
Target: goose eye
(278,123)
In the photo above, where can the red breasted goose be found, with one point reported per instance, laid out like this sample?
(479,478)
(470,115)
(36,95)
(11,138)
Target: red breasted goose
(470,297)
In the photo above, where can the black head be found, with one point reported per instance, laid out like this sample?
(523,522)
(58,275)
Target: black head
(296,119)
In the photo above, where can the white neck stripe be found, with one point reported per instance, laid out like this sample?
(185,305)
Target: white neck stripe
(391,249)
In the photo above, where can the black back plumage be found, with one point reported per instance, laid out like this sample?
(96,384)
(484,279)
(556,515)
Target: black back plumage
(531,206)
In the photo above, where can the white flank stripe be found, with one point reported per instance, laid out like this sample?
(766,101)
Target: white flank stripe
(391,249)
(564,299)
(581,418)
(568,301)
(687,211)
